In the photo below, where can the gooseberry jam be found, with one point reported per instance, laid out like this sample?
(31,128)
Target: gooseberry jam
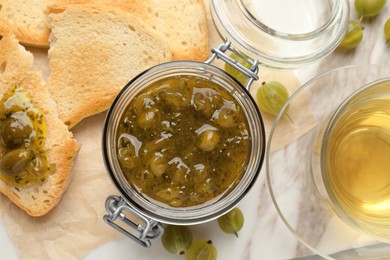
(23,133)
(183,141)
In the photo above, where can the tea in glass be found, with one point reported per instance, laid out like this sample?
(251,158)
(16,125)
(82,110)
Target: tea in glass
(356,160)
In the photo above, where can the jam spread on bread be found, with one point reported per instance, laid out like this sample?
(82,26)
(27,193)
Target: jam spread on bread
(23,131)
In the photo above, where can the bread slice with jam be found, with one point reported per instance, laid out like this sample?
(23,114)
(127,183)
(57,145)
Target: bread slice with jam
(57,144)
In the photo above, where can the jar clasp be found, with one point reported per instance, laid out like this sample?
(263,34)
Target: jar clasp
(142,231)
(250,73)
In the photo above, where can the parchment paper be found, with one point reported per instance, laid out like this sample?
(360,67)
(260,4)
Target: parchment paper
(75,226)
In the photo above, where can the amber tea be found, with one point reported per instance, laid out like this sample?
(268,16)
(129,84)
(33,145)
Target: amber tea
(356,160)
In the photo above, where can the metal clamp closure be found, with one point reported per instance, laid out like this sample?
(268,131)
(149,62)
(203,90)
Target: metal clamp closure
(141,232)
(250,73)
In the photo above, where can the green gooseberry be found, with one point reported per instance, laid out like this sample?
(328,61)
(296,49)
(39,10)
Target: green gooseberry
(231,222)
(14,161)
(387,30)
(236,73)
(271,97)
(176,239)
(369,8)
(202,250)
(353,36)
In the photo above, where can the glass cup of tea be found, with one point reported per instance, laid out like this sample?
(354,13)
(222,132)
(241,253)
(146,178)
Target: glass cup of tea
(355,160)
(337,173)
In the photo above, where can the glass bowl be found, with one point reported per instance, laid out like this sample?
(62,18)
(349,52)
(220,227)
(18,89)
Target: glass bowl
(294,171)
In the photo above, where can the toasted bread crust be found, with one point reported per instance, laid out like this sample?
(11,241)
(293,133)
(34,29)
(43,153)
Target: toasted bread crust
(60,147)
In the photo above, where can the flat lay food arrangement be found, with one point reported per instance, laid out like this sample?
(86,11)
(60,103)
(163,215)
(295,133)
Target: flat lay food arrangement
(182,127)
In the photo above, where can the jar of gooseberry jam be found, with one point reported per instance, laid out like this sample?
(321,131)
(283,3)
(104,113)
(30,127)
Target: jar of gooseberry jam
(213,164)
(183,142)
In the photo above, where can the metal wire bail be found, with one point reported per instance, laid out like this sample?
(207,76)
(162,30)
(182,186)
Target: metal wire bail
(141,231)
(250,73)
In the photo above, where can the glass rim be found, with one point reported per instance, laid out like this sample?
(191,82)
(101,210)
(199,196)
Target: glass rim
(296,36)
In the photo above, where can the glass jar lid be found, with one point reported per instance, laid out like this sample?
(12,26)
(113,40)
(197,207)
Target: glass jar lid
(282,33)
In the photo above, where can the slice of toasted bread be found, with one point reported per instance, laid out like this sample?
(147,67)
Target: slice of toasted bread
(182,23)
(60,147)
(95,51)
(26,19)
(15,62)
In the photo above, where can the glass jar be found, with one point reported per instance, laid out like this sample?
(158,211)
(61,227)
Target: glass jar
(282,33)
(147,211)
